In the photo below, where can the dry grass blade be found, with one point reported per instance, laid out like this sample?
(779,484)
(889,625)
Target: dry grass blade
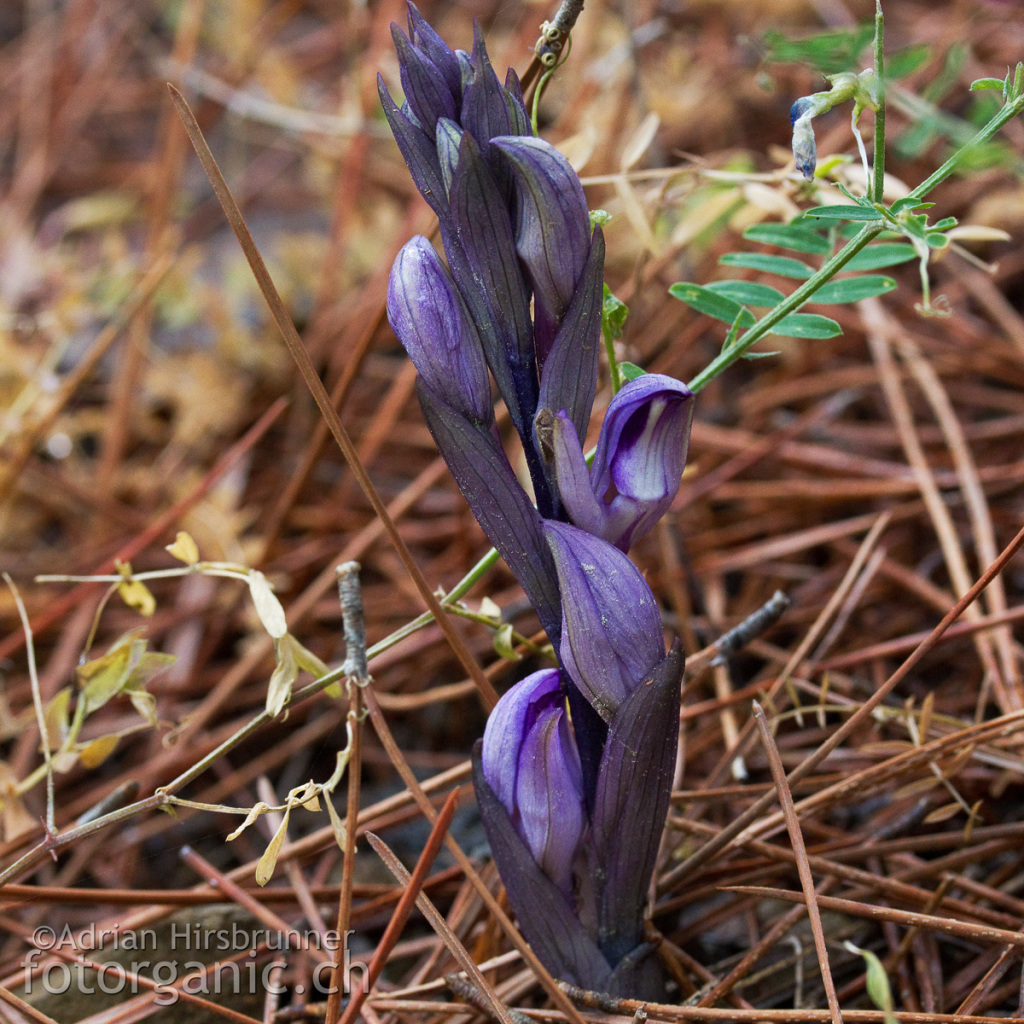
(945,925)
(410,894)
(438,923)
(796,837)
(755,813)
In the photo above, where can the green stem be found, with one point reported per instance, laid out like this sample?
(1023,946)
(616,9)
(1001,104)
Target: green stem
(1003,117)
(790,304)
(878,175)
(613,363)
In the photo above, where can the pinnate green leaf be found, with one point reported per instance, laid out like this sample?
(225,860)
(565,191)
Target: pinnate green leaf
(807,325)
(843,213)
(784,266)
(853,289)
(711,304)
(885,254)
(747,293)
(789,236)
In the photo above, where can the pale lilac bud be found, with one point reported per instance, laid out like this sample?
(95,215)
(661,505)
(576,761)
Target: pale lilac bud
(430,319)
(531,763)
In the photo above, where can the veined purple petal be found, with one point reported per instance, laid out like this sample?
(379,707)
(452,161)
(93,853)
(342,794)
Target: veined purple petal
(552,226)
(449,138)
(430,319)
(546,915)
(568,378)
(634,785)
(530,760)
(436,50)
(501,507)
(611,626)
(483,228)
(549,796)
(425,87)
(641,454)
(571,473)
(513,717)
(419,150)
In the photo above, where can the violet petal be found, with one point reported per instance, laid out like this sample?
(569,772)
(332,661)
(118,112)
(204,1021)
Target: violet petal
(545,915)
(500,505)
(449,138)
(640,455)
(430,319)
(611,626)
(425,87)
(552,224)
(634,785)
(549,795)
(512,718)
(569,368)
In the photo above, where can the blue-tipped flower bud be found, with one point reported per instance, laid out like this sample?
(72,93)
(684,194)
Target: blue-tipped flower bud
(638,463)
(611,626)
(805,150)
(430,319)
(530,761)
(552,228)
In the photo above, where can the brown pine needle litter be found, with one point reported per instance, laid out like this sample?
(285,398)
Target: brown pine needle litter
(846,840)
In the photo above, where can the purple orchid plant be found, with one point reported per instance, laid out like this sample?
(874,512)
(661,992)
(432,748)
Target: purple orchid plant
(574,772)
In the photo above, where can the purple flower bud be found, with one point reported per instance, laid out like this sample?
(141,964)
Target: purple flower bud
(427,90)
(531,763)
(552,228)
(638,463)
(419,150)
(436,50)
(611,626)
(430,319)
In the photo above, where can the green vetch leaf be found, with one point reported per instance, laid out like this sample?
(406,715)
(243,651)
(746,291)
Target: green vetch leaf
(789,236)
(909,203)
(807,325)
(630,371)
(908,60)
(784,266)
(853,289)
(711,304)
(747,293)
(829,51)
(886,254)
(842,213)
(986,83)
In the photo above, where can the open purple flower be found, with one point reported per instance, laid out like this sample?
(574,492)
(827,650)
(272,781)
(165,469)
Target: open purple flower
(530,761)
(638,463)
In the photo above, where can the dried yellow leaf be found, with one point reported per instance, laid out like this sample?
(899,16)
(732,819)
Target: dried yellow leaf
(184,548)
(93,754)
